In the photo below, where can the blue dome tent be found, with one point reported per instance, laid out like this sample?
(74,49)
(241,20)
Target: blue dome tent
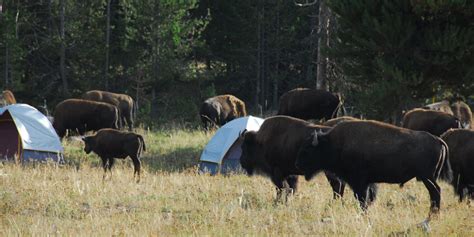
(26,134)
(222,152)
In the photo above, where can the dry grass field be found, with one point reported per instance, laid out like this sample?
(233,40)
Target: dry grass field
(173,199)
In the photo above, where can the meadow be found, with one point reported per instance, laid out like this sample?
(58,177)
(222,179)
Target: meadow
(173,199)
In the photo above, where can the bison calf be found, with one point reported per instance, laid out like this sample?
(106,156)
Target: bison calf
(110,143)
(461,156)
(366,152)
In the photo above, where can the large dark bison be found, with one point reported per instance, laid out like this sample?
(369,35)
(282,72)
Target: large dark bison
(434,122)
(110,143)
(218,110)
(84,115)
(461,156)
(272,151)
(462,111)
(304,103)
(366,152)
(124,103)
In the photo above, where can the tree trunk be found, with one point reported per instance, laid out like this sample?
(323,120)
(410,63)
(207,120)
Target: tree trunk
(277,60)
(259,55)
(313,42)
(6,63)
(321,77)
(62,60)
(107,47)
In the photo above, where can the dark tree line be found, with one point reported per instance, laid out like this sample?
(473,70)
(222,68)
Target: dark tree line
(384,56)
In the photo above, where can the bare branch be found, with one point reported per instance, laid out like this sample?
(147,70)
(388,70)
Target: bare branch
(306,3)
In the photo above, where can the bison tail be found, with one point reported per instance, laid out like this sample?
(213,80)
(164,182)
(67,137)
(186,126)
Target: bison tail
(142,141)
(444,170)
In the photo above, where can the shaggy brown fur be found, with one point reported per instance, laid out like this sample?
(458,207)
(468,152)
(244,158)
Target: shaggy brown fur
(8,98)
(434,122)
(462,111)
(304,103)
(84,115)
(272,151)
(221,109)
(442,106)
(333,122)
(366,152)
(123,102)
(461,156)
(110,143)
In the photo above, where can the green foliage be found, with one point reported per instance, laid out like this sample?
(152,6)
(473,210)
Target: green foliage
(399,52)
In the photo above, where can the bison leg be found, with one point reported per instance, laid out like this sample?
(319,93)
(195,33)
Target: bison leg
(372,193)
(337,185)
(136,167)
(129,121)
(360,193)
(278,180)
(292,181)
(105,162)
(435,194)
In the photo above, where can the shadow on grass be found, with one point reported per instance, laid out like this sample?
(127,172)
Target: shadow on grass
(177,160)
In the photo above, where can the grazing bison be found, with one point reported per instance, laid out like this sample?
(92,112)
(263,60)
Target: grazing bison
(218,110)
(442,106)
(461,156)
(304,103)
(333,122)
(366,152)
(110,143)
(83,115)
(123,102)
(462,111)
(434,122)
(272,151)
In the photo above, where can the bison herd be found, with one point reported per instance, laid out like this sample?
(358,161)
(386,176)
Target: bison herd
(432,143)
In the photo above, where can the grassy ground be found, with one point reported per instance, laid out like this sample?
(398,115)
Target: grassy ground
(173,199)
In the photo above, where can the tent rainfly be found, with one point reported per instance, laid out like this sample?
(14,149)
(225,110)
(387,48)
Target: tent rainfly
(222,152)
(26,134)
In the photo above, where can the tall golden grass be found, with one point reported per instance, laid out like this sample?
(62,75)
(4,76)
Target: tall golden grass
(173,199)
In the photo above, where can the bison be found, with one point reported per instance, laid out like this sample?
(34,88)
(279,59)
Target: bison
(366,152)
(110,143)
(7,98)
(434,122)
(272,151)
(461,156)
(462,111)
(123,102)
(83,115)
(442,106)
(333,122)
(218,110)
(304,103)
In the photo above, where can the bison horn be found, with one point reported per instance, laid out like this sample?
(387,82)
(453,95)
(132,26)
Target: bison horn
(315,138)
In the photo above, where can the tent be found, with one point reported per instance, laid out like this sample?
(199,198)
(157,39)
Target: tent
(26,134)
(222,152)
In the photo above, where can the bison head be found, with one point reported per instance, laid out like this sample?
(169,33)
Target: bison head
(249,151)
(309,158)
(89,143)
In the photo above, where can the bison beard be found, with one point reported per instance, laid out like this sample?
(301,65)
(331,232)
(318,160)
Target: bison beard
(272,151)
(110,143)
(366,152)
